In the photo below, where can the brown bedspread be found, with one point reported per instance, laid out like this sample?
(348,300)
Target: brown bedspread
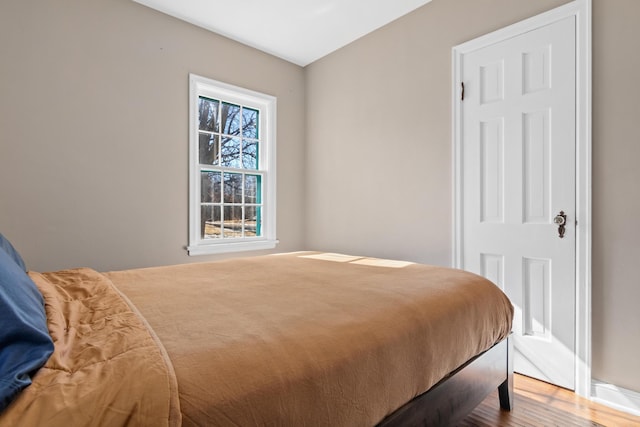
(106,369)
(310,339)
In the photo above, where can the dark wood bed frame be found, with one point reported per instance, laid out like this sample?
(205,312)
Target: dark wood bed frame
(454,397)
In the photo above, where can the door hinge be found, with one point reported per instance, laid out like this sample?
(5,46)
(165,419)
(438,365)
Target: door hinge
(462,91)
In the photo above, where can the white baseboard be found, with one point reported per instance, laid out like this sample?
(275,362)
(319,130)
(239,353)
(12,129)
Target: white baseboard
(615,397)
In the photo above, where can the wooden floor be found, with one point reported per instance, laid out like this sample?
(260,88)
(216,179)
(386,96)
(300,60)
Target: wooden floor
(540,404)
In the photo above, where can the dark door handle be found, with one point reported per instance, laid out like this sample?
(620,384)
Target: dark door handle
(560,220)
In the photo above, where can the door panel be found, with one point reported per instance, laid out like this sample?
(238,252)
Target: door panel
(492,171)
(518,173)
(536,167)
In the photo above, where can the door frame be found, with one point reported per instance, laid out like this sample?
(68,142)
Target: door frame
(581,9)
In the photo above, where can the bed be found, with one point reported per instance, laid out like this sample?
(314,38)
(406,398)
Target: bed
(302,338)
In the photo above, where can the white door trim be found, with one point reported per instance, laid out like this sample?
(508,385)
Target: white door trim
(581,9)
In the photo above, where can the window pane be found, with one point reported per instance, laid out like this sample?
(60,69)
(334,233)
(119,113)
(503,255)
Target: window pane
(232,221)
(210,222)
(208,149)
(250,123)
(230,119)
(251,221)
(253,189)
(210,187)
(250,154)
(230,152)
(232,188)
(208,114)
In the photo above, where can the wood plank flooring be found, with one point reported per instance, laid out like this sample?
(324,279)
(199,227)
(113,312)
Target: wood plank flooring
(537,403)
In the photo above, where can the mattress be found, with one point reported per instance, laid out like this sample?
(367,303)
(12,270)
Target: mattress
(310,338)
(304,338)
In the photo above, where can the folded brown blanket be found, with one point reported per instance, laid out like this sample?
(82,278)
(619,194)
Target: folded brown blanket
(107,368)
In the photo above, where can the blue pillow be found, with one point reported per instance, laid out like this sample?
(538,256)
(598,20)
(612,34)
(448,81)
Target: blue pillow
(25,344)
(9,249)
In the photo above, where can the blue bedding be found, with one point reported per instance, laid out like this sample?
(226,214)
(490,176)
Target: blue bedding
(25,344)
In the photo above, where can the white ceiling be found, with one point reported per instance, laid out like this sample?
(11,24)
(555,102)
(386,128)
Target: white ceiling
(299,31)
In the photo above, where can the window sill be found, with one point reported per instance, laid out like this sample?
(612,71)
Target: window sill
(220,248)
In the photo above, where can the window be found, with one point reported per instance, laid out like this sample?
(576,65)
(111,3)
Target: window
(232,168)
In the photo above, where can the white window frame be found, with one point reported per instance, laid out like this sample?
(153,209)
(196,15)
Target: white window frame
(266,104)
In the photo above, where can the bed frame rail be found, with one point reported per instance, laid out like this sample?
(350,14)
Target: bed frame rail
(453,398)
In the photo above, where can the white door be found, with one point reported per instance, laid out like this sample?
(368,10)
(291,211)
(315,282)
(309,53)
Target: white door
(518,165)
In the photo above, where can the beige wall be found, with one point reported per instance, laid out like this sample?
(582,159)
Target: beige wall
(94,131)
(379,151)
(616,192)
(379,132)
